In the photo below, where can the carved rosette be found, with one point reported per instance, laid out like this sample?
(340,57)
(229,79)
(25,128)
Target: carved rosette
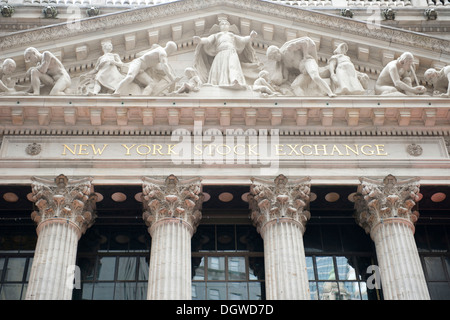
(172,199)
(378,201)
(33,149)
(272,201)
(61,199)
(414,150)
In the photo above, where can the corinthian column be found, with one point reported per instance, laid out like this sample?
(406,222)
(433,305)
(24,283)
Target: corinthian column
(172,213)
(383,209)
(65,211)
(278,211)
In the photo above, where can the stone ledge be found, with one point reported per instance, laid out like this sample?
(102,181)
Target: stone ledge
(363,114)
(294,14)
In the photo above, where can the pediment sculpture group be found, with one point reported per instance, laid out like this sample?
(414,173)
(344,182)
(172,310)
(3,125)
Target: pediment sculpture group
(227,60)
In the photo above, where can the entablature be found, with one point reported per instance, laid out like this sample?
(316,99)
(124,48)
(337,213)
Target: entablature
(25,115)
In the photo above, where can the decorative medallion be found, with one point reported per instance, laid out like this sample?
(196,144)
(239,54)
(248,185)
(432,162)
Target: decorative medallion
(93,11)
(388,14)
(430,14)
(414,149)
(7,11)
(33,149)
(347,13)
(50,12)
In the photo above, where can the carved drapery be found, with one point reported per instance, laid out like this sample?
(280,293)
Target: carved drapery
(172,213)
(280,215)
(65,211)
(384,210)
(150,73)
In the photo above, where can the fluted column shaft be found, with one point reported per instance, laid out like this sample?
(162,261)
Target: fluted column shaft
(170,262)
(55,253)
(402,275)
(280,218)
(383,209)
(284,261)
(172,214)
(65,212)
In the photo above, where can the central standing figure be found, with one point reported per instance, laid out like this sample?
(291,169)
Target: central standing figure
(225,58)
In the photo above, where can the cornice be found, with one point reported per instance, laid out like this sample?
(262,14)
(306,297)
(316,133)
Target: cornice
(265,8)
(75,115)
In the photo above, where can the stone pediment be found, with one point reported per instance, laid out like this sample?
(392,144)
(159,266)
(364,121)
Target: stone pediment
(79,46)
(134,30)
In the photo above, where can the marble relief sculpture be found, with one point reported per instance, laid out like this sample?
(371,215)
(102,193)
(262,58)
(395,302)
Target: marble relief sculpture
(47,71)
(225,58)
(192,83)
(440,81)
(263,85)
(298,57)
(152,70)
(345,80)
(106,74)
(7,83)
(396,78)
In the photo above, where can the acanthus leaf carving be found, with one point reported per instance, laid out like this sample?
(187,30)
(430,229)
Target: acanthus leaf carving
(271,201)
(60,198)
(388,198)
(172,198)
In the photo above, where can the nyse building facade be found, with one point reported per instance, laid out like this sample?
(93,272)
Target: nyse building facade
(225,150)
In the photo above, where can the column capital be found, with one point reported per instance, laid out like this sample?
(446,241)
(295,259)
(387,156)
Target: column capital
(63,200)
(169,199)
(386,200)
(272,201)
